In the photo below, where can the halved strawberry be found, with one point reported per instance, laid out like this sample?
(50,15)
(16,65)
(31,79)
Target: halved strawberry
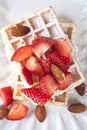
(6,95)
(17,111)
(63,49)
(45,63)
(48,84)
(54,58)
(41,44)
(27,75)
(34,66)
(36,95)
(22,53)
(65,82)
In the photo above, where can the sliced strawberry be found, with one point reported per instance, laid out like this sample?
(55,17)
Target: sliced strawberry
(22,53)
(34,66)
(41,44)
(57,72)
(6,94)
(45,39)
(63,49)
(27,75)
(36,95)
(54,58)
(17,111)
(65,82)
(45,63)
(48,84)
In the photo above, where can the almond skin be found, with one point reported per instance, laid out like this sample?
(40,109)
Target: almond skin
(3,112)
(77,108)
(40,113)
(80,89)
(19,30)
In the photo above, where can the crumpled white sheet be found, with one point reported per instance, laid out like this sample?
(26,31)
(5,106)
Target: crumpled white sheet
(58,118)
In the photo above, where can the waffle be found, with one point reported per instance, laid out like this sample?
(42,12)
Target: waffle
(70,29)
(43,23)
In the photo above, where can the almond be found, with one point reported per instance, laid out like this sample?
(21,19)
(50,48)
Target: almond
(3,112)
(40,113)
(19,30)
(80,89)
(77,108)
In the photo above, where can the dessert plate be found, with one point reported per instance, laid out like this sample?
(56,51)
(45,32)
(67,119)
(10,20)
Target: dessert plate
(57,117)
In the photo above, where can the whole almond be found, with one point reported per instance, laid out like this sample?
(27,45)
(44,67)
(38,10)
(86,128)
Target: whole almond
(3,112)
(40,113)
(19,30)
(77,108)
(80,89)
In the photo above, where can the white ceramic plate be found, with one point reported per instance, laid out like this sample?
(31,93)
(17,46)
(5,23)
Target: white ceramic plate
(58,118)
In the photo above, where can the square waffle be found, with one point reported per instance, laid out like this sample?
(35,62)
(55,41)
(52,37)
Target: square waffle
(42,23)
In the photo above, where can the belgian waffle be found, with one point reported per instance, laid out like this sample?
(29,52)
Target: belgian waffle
(42,23)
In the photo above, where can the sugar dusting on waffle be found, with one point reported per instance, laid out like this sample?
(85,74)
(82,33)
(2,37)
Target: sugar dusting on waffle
(43,23)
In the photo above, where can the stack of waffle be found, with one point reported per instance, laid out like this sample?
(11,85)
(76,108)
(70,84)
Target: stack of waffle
(43,23)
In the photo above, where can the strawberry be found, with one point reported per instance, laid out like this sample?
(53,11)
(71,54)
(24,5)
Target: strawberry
(36,95)
(65,82)
(22,53)
(48,84)
(27,75)
(57,72)
(17,111)
(54,58)
(41,44)
(6,94)
(34,66)
(45,63)
(63,49)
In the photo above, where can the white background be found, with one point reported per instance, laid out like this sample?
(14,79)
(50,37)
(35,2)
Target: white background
(58,118)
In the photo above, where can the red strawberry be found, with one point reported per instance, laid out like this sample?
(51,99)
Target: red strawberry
(17,111)
(36,95)
(43,39)
(63,49)
(48,84)
(22,53)
(45,64)
(54,58)
(41,44)
(34,66)
(65,82)
(27,75)
(6,94)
